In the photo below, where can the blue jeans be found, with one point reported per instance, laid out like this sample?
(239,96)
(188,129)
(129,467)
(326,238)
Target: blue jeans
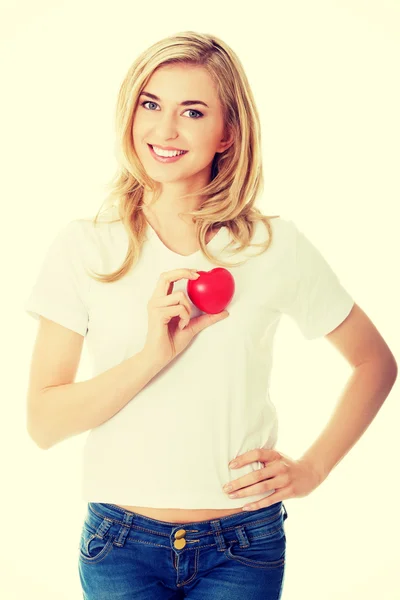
(126,556)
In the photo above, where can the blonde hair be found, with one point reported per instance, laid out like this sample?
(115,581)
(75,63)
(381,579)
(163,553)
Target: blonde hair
(236,176)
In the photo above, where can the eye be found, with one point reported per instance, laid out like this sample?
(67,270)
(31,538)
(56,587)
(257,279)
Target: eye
(148,102)
(199,114)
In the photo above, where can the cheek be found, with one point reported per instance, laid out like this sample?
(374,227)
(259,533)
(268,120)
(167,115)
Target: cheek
(210,138)
(139,137)
(139,128)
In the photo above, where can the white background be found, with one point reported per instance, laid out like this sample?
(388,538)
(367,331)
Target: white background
(325,79)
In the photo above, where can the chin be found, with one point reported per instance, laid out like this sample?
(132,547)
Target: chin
(163,179)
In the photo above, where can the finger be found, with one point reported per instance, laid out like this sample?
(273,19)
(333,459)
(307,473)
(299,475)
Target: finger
(263,473)
(278,496)
(184,323)
(169,277)
(178,297)
(264,455)
(176,310)
(249,479)
(202,321)
(260,487)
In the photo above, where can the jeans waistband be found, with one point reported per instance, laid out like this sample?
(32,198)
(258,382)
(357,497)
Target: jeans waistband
(243,525)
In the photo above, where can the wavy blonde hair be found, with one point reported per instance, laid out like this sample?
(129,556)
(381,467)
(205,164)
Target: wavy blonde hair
(236,175)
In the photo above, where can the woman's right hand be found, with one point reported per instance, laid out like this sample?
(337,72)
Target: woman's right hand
(166,337)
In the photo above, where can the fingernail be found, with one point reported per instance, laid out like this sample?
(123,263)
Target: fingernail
(233,463)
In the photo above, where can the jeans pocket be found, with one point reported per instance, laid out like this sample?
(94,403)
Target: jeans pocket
(94,548)
(266,551)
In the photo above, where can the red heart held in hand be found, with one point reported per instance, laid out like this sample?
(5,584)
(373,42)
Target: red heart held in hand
(212,291)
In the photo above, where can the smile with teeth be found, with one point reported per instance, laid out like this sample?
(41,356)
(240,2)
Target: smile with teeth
(167,153)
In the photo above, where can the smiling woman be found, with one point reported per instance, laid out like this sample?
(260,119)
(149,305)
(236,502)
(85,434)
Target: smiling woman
(201,135)
(168,407)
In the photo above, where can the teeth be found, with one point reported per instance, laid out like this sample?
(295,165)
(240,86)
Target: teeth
(167,152)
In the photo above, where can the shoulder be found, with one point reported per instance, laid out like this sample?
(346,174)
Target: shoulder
(106,231)
(280,249)
(101,246)
(283,232)
(283,227)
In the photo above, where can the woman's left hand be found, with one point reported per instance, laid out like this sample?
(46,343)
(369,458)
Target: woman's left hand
(290,478)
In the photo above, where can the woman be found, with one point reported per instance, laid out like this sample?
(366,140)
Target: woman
(178,391)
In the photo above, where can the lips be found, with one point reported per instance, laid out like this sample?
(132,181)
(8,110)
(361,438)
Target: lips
(169,150)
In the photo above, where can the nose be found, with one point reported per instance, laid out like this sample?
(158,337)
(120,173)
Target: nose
(167,127)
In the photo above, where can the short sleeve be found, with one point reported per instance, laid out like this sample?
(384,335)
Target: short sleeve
(317,301)
(60,289)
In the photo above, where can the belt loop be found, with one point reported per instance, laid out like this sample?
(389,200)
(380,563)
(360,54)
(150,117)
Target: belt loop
(103,528)
(218,535)
(124,529)
(285,512)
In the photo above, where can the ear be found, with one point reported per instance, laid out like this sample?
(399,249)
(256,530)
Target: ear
(226,142)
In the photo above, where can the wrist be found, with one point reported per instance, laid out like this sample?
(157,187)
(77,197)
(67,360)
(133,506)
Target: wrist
(152,363)
(316,467)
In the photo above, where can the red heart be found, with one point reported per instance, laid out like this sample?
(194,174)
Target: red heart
(212,291)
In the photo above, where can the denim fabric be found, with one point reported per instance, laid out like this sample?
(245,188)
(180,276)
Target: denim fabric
(126,556)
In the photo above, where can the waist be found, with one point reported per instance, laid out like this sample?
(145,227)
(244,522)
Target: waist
(180,515)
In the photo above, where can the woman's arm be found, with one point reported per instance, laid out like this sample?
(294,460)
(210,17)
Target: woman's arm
(375,371)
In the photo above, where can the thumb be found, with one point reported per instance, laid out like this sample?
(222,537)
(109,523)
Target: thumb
(203,321)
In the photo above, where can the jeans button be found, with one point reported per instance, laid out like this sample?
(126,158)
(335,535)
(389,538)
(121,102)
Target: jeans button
(179,544)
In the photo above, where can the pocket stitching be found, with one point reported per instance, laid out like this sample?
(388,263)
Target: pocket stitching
(269,533)
(271,564)
(256,563)
(85,544)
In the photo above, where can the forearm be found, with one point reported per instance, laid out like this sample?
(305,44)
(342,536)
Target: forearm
(66,410)
(363,395)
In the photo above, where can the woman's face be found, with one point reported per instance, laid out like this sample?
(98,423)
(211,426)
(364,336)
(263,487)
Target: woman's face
(163,121)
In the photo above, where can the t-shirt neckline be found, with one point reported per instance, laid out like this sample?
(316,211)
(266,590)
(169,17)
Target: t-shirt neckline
(213,243)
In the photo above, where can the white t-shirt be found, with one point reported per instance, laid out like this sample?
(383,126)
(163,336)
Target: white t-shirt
(170,446)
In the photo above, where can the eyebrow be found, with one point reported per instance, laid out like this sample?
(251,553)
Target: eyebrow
(184,103)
